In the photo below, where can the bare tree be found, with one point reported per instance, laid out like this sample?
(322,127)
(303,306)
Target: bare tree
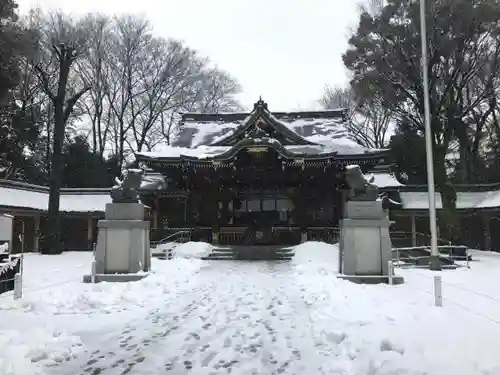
(338,98)
(128,47)
(368,121)
(139,83)
(372,7)
(63,107)
(215,92)
(166,78)
(94,68)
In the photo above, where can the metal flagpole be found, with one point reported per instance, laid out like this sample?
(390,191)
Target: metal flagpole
(434,264)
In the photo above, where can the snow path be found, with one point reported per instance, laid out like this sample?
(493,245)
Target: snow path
(231,315)
(219,317)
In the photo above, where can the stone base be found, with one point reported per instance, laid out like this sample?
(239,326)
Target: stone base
(361,279)
(113,278)
(122,247)
(124,211)
(365,243)
(365,210)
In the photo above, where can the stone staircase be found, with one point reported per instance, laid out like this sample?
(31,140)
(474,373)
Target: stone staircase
(222,253)
(252,253)
(420,256)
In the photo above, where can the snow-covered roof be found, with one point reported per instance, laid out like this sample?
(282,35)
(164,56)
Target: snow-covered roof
(331,133)
(418,200)
(201,152)
(204,152)
(198,133)
(34,197)
(386,180)
(39,200)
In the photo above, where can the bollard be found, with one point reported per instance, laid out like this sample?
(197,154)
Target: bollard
(390,269)
(18,286)
(93,272)
(438,291)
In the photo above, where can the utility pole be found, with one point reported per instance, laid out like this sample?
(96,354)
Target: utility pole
(434,264)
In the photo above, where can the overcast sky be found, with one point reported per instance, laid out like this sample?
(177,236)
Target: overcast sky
(284,50)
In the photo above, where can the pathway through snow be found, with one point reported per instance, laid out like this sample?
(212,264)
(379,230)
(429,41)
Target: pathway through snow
(220,317)
(246,316)
(236,317)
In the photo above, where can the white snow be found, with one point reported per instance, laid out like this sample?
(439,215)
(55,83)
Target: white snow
(194,136)
(204,133)
(204,317)
(383,180)
(195,250)
(201,152)
(39,200)
(342,146)
(316,253)
(8,265)
(418,200)
(4,248)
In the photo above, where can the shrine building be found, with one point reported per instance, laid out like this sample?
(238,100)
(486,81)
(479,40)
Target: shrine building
(252,178)
(256,178)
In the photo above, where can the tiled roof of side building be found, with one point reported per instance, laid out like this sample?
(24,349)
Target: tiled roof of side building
(34,197)
(14,194)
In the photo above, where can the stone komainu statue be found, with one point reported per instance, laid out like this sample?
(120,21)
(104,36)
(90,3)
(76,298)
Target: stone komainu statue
(361,188)
(126,191)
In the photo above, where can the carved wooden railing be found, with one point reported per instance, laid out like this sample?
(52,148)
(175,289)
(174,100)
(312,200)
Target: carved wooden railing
(232,236)
(241,235)
(323,234)
(195,233)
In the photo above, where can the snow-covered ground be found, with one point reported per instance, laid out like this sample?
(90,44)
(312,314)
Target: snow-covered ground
(218,317)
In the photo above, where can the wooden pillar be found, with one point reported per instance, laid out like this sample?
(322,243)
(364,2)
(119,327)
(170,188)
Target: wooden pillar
(215,217)
(36,234)
(343,202)
(155,214)
(413,230)
(12,235)
(23,235)
(90,232)
(303,236)
(487,232)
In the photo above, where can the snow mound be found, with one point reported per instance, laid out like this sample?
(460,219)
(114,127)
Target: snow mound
(316,254)
(71,296)
(28,354)
(193,250)
(4,248)
(164,247)
(48,325)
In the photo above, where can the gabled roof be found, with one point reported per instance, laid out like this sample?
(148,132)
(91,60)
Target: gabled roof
(303,128)
(261,123)
(311,133)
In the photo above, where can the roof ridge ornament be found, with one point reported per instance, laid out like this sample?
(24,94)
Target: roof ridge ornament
(260,104)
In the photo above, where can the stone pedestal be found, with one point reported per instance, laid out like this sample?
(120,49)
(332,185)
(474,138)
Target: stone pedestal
(123,248)
(365,243)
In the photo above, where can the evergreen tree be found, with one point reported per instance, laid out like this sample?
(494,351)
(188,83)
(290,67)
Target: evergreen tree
(84,168)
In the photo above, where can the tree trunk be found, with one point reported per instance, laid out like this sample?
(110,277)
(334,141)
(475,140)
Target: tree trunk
(54,240)
(447,218)
(48,151)
(60,117)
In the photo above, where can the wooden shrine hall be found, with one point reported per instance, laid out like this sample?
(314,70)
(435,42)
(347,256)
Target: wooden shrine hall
(255,178)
